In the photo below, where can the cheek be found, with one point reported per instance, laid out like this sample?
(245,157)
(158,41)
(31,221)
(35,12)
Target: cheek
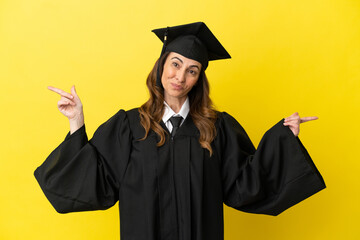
(168,72)
(171,73)
(192,82)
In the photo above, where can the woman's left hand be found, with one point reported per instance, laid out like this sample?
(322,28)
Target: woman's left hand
(294,122)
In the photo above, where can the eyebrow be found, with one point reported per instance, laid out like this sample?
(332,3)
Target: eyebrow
(183,62)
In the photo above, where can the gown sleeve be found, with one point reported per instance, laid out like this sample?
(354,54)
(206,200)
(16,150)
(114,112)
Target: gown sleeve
(82,175)
(277,175)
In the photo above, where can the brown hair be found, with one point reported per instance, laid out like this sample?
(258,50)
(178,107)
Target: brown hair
(202,111)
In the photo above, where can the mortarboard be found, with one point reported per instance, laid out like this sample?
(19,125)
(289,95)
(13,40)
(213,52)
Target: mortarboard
(194,41)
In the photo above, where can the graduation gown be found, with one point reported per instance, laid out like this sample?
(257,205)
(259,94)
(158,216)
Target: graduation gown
(177,191)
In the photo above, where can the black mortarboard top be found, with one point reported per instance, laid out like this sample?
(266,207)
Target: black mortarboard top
(194,41)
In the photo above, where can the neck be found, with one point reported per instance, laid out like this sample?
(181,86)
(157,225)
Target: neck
(175,103)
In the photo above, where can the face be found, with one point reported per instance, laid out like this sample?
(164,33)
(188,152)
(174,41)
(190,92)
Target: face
(180,74)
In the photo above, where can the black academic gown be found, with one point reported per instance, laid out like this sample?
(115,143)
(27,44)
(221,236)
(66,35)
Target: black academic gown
(177,191)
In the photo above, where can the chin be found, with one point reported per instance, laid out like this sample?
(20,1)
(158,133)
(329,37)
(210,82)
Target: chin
(176,94)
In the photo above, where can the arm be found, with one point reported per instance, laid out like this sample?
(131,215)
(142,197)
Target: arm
(82,175)
(276,176)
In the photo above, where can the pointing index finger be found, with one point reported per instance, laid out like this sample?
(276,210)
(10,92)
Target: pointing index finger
(306,119)
(60,92)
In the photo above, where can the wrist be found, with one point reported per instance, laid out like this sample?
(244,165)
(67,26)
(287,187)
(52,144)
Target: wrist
(76,123)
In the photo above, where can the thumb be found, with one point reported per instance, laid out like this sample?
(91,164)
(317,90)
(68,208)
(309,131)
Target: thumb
(73,91)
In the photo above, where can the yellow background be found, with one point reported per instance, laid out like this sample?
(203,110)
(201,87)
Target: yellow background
(287,56)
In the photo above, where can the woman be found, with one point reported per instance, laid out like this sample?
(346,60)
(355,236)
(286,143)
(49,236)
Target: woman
(173,162)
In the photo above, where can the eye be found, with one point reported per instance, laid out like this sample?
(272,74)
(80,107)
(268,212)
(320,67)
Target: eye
(175,64)
(192,72)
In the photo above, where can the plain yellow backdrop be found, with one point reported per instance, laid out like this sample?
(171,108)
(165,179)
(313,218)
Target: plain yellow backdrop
(287,56)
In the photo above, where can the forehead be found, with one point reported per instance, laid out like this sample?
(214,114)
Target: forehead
(183,59)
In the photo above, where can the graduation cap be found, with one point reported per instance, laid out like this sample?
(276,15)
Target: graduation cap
(194,41)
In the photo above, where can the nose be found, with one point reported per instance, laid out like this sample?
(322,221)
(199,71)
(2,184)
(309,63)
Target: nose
(181,76)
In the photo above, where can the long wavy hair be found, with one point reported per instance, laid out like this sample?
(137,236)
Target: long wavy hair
(202,111)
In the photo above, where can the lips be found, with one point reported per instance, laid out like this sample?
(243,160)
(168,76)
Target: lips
(176,86)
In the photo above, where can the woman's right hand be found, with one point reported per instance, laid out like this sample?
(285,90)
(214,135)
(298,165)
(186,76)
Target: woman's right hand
(71,107)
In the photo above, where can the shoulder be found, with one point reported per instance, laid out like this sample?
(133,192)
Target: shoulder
(133,114)
(127,119)
(133,117)
(124,118)
(226,125)
(225,118)
(130,115)
(231,133)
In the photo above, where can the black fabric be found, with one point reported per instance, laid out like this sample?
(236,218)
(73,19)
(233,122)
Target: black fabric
(191,47)
(175,122)
(194,41)
(177,191)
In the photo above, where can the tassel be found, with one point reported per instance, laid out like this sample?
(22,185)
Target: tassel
(158,77)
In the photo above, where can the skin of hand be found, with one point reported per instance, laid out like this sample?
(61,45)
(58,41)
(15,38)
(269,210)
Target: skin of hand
(293,122)
(71,107)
